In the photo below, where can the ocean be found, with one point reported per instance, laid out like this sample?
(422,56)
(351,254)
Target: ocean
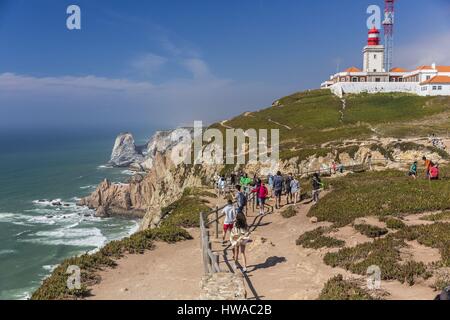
(36,169)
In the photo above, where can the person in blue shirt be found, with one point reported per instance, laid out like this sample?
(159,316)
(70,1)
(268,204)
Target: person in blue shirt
(278,189)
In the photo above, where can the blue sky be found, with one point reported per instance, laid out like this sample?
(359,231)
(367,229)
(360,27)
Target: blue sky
(164,63)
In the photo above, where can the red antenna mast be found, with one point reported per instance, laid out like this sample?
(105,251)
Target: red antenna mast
(388,23)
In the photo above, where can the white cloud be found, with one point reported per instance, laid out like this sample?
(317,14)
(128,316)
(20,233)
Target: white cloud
(426,50)
(92,99)
(197,67)
(149,63)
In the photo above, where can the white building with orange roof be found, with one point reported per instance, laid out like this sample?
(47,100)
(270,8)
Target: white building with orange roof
(373,78)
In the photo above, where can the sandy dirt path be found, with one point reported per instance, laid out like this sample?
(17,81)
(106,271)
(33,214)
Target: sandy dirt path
(277,267)
(169,272)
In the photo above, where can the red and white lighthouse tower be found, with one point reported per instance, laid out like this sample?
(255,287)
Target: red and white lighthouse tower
(374,37)
(374,53)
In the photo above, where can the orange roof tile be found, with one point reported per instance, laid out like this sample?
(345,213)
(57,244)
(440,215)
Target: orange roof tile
(398,70)
(424,68)
(443,68)
(353,69)
(438,80)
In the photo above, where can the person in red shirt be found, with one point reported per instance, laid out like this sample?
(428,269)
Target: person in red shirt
(261,192)
(434,172)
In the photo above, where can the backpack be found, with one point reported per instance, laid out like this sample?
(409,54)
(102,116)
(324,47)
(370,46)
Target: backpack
(278,183)
(242,199)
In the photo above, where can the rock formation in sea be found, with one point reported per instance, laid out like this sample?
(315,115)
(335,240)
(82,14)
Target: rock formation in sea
(125,152)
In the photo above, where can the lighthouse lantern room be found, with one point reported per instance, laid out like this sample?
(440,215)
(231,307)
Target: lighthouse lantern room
(374,53)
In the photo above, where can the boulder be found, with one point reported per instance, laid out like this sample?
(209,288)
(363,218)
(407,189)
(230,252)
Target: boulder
(101,212)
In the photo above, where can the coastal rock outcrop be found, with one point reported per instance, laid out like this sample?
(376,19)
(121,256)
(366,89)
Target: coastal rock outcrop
(125,151)
(144,195)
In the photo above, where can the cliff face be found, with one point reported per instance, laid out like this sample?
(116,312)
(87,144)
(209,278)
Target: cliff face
(164,182)
(145,194)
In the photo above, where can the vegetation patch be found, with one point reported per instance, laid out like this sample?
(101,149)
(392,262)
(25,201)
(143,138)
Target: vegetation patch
(289,212)
(184,212)
(436,235)
(198,192)
(387,193)
(384,253)
(339,289)
(316,239)
(370,231)
(442,279)
(393,223)
(441,216)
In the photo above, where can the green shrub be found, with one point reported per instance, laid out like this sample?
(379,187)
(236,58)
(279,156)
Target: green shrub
(387,193)
(370,231)
(393,223)
(339,289)
(436,235)
(289,212)
(384,253)
(184,212)
(316,239)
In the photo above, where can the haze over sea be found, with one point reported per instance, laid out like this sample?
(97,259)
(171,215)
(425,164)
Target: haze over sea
(35,235)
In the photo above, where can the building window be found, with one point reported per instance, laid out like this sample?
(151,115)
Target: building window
(354,79)
(377,80)
(374,70)
(374,56)
(440,88)
(434,87)
(428,77)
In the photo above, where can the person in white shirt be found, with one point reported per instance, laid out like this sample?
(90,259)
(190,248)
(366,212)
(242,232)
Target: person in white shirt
(295,189)
(230,217)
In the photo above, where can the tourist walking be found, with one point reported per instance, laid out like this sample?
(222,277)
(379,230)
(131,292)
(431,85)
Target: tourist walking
(222,185)
(295,189)
(316,186)
(241,200)
(230,217)
(261,192)
(434,172)
(287,188)
(239,238)
(428,165)
(233,179)
(413,170)
(278,189)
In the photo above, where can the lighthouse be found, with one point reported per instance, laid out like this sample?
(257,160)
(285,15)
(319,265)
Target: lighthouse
(374,53)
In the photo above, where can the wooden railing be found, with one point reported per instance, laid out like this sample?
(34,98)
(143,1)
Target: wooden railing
(211,260)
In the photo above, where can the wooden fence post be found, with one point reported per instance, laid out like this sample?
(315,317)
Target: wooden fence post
(217,222)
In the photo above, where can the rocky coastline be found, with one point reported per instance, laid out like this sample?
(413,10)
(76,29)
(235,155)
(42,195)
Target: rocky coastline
(158,182)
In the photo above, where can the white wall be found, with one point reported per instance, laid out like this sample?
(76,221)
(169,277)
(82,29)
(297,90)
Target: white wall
(374,87)
(430,92)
